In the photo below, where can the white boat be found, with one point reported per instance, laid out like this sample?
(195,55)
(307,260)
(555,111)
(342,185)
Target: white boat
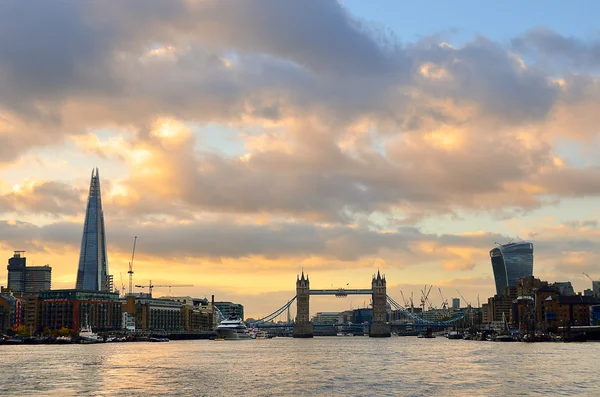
(233,329)
(86,335)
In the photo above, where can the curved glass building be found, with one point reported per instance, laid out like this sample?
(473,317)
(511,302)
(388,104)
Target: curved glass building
(510,262)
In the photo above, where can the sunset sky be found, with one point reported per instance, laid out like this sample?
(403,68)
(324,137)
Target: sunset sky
(244,141)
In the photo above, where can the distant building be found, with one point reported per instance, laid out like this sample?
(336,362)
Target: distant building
(326,318)
(500,307)
(230,309)
(38,278)
(360,316)
(27,279)
(16,272)
(510,262)
(565,288)
(92,274)
(345,317)
(596,289)
(455,303)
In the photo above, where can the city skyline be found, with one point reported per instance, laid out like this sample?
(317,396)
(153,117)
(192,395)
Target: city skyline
(245,143)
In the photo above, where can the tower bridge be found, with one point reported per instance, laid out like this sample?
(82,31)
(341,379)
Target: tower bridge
(304,328)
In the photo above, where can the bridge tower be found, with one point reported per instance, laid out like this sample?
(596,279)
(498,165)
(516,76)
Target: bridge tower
(379,327)
(303,328)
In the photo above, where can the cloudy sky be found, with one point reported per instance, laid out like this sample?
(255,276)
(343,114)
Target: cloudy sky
(244,141)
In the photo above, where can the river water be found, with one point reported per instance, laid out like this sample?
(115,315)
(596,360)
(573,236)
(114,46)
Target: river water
(323,366)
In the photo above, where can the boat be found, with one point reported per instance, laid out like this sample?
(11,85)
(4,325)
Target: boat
(260,335)
(504,338)
(86,335)
(63,340)
(233,329)
(153,339)
(454,335)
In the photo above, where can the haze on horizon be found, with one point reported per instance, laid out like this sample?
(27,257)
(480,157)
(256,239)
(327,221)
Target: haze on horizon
(245,141)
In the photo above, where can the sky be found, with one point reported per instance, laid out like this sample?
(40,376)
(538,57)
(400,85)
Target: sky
(246,142)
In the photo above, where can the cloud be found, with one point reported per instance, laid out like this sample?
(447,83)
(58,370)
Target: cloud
(42,197)
(548,46)
(223,238)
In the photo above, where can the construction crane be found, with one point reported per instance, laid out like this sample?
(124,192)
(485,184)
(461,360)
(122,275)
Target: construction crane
(404,300)
(150,286)
(425,297)
(585,274)
(444,301)
(122,285)
(131,268)
(468,303)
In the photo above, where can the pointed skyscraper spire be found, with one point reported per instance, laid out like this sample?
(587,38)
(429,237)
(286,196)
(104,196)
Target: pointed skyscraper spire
(92,274)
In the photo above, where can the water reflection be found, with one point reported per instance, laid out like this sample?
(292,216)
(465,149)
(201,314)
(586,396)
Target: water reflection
(292,367)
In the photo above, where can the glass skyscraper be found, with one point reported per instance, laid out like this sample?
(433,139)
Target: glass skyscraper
(510,262)
(92,274)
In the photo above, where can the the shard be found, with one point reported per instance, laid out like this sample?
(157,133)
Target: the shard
(92,274)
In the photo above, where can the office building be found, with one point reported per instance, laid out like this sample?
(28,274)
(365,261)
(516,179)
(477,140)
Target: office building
(16,272)
(38,278)
(510,262)
(27,279)
(230,309)
(326,318)
(455,303)
(596,289)
(92,274)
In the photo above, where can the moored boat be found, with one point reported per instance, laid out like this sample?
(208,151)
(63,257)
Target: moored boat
(233,329)
(454,335)
(154,339)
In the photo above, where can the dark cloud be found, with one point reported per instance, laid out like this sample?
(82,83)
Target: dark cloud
(224,239)
(550,47)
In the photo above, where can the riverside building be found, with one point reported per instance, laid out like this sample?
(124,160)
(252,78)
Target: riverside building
(72,309)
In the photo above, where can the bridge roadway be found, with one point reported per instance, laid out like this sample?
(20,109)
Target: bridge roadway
(341,291)
(413,325)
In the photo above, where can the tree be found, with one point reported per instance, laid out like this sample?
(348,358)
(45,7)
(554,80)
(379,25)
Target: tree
(64,332)
(21,330)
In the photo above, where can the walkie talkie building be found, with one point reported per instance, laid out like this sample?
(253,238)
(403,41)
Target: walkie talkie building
(510,262)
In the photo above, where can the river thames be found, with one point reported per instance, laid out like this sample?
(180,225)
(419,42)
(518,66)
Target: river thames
(325,366)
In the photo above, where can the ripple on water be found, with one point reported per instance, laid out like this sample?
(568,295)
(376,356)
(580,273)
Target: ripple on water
(357,366)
